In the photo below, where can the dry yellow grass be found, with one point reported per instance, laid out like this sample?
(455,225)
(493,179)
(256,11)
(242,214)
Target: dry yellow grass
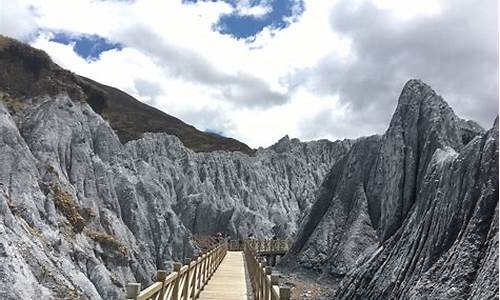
(108,240)
(65,204)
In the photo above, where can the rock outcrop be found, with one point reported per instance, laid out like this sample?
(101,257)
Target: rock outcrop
(89,202)
(412,214)
(83,214)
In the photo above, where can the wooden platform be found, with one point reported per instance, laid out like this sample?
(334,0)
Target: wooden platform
(230,282)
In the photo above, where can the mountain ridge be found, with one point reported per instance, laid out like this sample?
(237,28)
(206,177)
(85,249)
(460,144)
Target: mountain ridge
(409,214)
(29,72)
(405,211)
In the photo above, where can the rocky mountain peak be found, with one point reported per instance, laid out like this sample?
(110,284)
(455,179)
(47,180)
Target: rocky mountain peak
(418,103)
(403,213)
(98,190)
(414,88)
(285,144)
(423,114)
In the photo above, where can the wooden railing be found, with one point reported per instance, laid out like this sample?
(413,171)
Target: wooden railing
(185,282)
(264,283)
(268,246)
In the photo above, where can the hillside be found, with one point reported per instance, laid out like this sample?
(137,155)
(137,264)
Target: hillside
(91,200)
(26,72)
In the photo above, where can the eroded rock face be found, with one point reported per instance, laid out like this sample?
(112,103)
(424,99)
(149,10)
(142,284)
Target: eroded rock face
(412,214)
(81,214)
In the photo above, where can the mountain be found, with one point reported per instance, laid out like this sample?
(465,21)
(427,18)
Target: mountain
(26,72)
(89,201)
(411,214)
(82,213)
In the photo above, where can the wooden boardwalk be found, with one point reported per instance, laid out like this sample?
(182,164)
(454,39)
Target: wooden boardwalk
(230,282)
(219,274)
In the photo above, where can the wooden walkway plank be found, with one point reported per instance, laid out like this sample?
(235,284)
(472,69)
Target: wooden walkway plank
(230,282)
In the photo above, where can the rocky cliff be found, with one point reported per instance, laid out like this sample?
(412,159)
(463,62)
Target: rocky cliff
(89,203)
(82,214)
(411,214)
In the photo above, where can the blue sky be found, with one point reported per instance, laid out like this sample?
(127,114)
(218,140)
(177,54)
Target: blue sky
(281,14)
(87,46)
(257,70)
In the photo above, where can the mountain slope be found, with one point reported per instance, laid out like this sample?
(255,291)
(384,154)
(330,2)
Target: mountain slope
(410,214)
(26,72)
(82,214)
(99,214)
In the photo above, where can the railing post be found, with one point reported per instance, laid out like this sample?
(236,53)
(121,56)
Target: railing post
(274,282)
(285,293)
(217,254)
(185,288)
(211,264)
(201,273)
(133,290)
(257,279)
(263,270)
(268,286)
(175,289)
(207,267)
(160,277)
(195,276)
(263,279)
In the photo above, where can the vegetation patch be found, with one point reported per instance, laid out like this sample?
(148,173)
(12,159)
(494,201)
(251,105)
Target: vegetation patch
(108,241)
(88,213)
(13,208)
(33,59)
(65,204)
(116,280)
(14,105)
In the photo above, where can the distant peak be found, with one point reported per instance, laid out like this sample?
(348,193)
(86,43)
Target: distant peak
(417,95)
(282,145)
(286,138)
(415,90)
(421,110)
(415,83)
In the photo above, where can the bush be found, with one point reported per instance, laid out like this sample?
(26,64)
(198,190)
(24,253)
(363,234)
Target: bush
(65,204)
(108,241)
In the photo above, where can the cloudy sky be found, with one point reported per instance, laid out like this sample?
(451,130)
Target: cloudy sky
(256,70)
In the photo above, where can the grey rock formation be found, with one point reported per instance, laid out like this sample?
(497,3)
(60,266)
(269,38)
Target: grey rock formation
(81,214)
(412,214)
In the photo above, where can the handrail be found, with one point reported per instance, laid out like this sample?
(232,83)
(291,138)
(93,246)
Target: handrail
(185,282)
(264,283)
(268,246)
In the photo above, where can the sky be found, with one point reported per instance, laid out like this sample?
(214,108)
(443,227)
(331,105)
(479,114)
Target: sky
(257,70)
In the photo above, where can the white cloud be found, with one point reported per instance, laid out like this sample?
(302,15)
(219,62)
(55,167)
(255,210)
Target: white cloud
(254,91)
(17,20)
(409,8)
(245,8)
